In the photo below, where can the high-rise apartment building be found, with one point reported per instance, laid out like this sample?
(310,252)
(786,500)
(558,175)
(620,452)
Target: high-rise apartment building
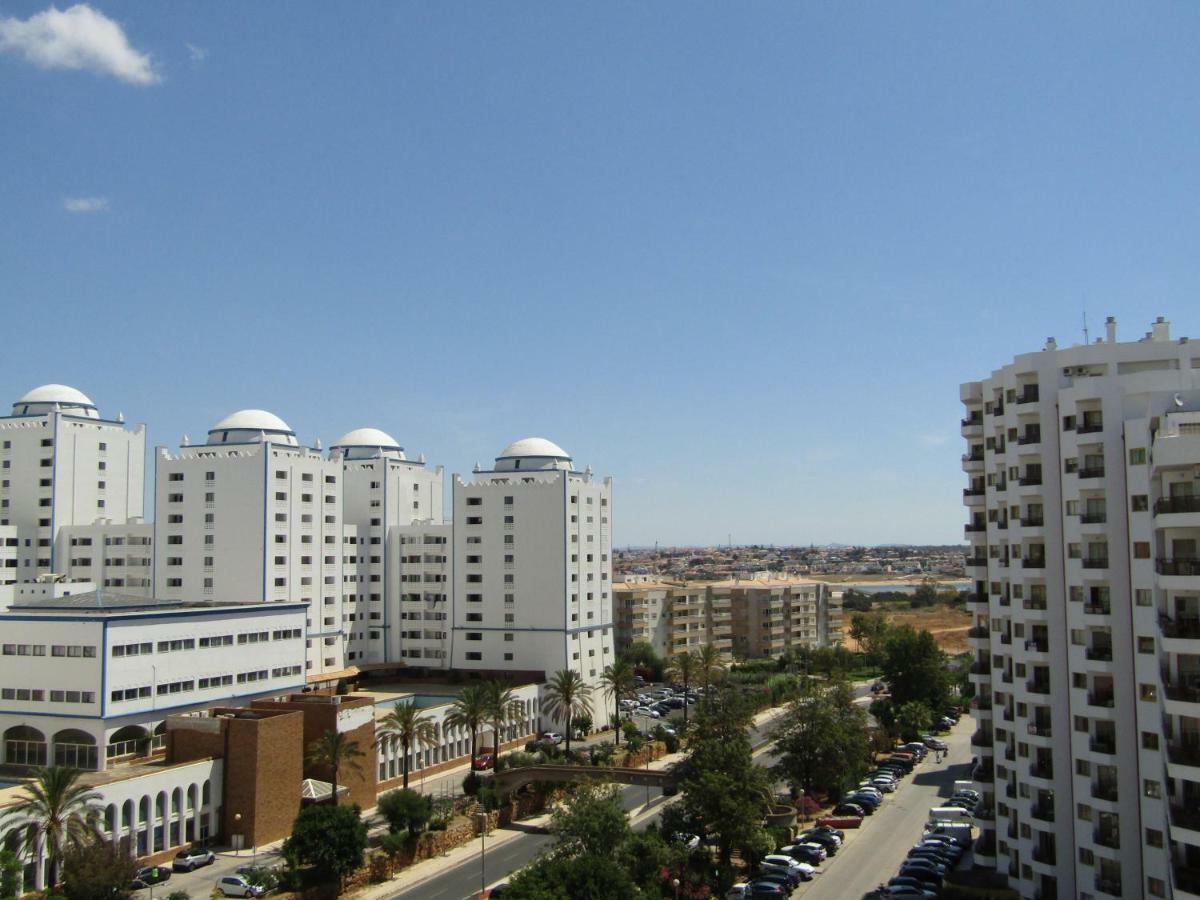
(251,516)
(533,565)
(1084,518)
(62,464)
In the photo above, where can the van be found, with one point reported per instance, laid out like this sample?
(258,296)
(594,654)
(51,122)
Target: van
(960,832)
(949,814)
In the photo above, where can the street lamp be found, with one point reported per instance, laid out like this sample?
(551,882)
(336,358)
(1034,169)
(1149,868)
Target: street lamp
(237,838)
(483,823)
(675,884)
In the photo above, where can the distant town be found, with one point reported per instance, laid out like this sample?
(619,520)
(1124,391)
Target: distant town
(828,563)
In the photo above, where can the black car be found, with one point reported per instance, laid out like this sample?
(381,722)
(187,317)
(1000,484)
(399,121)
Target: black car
(826,840)
(786,882)
(828,829)
(805,855)
(849,809)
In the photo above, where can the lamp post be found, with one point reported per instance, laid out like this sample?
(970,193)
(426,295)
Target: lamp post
(675,884)
(237,838)
(483,823)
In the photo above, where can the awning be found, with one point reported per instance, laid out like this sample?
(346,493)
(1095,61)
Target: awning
(315,789)
(322,677)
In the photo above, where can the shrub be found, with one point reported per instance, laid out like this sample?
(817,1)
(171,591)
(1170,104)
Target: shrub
(405,810)
(470,784)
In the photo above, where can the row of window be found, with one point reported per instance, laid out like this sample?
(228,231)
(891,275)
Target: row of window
(38,695)
(86,651)
(206,683)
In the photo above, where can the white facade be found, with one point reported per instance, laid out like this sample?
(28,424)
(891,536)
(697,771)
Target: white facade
(251,516)
(61,464)
(85,678)
(532,565)
(1084,468)
(384,494)
(111,554)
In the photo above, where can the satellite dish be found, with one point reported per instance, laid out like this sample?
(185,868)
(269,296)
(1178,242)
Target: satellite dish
(1178,401)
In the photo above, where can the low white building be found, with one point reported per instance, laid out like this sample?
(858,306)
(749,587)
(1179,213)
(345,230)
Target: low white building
(89,678)
(110,554)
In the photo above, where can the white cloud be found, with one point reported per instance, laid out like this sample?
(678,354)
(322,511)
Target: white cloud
(77,38)
(933,439)
(198,54)
(85,204)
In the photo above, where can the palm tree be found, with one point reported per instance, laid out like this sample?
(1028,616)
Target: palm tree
(469,710)
(334,749)
(709,664)
(567,696)
(683,669)
(617,679)
(57,812)
(503,708)
(406,723)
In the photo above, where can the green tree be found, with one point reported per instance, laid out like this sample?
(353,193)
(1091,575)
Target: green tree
(567,696)
(869,630)
(56,812)
(884,712)
(406,724)
(617,681)
(469,710)
(96,870)
(642,655)
(334,751)
(405,810)
(331,839)
(822,740)
(10,874)
(683,669)
(594,823)
(915,668)
(503,708)
(561,877)
(709,665)
(913,719)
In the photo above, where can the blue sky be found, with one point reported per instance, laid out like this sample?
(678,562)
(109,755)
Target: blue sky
(739,256)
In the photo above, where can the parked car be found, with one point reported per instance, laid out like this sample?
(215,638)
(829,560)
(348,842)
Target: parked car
(150,875)
(809,852)
(553,737)
(484,760)
(785,880)
(756,890)
(238,886)
(849,809)
(828,842)
(839,822)
(186,860)
(936,743)
(878,687)
(829,829)
(690,841)
(803,871)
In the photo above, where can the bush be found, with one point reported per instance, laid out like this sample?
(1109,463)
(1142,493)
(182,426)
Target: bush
(516,760)
(405,810)
(329,838)
(470,784)
(258,876)
(177,895)
(489,795)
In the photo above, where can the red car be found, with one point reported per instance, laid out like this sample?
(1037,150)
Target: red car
(484,760)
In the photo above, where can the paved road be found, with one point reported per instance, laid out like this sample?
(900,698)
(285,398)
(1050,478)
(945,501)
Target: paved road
(873,853)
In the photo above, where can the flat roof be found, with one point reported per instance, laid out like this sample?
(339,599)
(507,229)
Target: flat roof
(102,602)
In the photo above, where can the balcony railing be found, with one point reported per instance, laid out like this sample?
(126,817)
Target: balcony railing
(1094,562)
(973,419)
(1044,854)
(976,598)
(1041,769)
(1103,654)
(1108,837)
(1183,567)
(1033,521)
(1093,518)
(984,773)
(974,492)
(1110,886)
(1006,638)
(1105,789)
(1040,729)
(986,845)
(1035,562)
(1185,817)
(1186,693)
(1177,505)
(979,668)
(1030,480)
(1036,646)
(1089,428)
(982,703)
(1029,395)
(973,456)
(980,738)
(1101,698)
(1105,745)
(1097,609)
(975,526)
(1187,878)
(1034,437)
(1184,753)
(1037,686)
(1092,472)
(977,631)
(1182,627)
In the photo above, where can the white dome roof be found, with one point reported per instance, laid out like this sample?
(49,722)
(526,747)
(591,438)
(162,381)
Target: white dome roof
(57,393)
(533,446)
(367,437)
(247,425)
(52,397)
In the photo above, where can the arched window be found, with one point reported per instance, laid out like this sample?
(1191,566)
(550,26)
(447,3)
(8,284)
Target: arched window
(110,820)
(160,805)
(131,740)
(24,746)
(206,794)
(176,801)
(144,810)
(76,749)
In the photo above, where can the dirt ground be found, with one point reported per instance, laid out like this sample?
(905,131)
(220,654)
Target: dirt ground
(947,625)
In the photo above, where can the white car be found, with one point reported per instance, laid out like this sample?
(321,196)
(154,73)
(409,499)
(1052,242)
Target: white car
(553,737)
(648,712)
(779,862)
(886,786)
(238,886)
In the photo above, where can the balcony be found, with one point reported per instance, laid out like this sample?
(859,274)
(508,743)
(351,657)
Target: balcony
(1105,789)
(1184,753)
(979,668)
(1091,472)
(1185,817)
(1101,654)
(974,456)
(1093,608)
(1028,395)
(1108,837)
(1030,437)
(977,631)
(1187,693)
(984,703)
(1087,427)
(1044,855)
(1170,505)
(974,492)
(976,561)
(1006,638)
(1101,698)
(1030,480)
(1094,562)
(1041,769)
(1033,521)
(1110,886)
(1040,729)
(1036,562)
(981,738)
(976,418)
(984,773)
(1093,518)
(1106,745)
(972,527)
(1187,878)
(1182,627)
(1033,645)
(1177,567)
(1037,686)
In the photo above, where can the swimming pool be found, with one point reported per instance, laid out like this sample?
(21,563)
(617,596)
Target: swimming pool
(421,701)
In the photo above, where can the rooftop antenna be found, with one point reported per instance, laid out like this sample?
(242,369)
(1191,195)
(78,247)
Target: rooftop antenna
(1086,339)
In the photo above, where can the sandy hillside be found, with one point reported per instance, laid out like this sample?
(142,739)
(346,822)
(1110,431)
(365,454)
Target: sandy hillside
(947,625)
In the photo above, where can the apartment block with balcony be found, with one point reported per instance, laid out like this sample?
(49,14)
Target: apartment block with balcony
(1082,464)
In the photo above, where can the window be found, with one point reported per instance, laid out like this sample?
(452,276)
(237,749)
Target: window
(1137,456)
(1142,597)
(1141,550)
(1154,837)
(474,635)
(1139,503)
(474,655)
(1151,788)
(1149,740)
(1145,644)
(1148,692)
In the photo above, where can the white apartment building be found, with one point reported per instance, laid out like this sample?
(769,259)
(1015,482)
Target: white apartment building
(61,465)
(1084,472)
(394,546)
(252,516)
(532,565)
(110,554)
(87,679)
